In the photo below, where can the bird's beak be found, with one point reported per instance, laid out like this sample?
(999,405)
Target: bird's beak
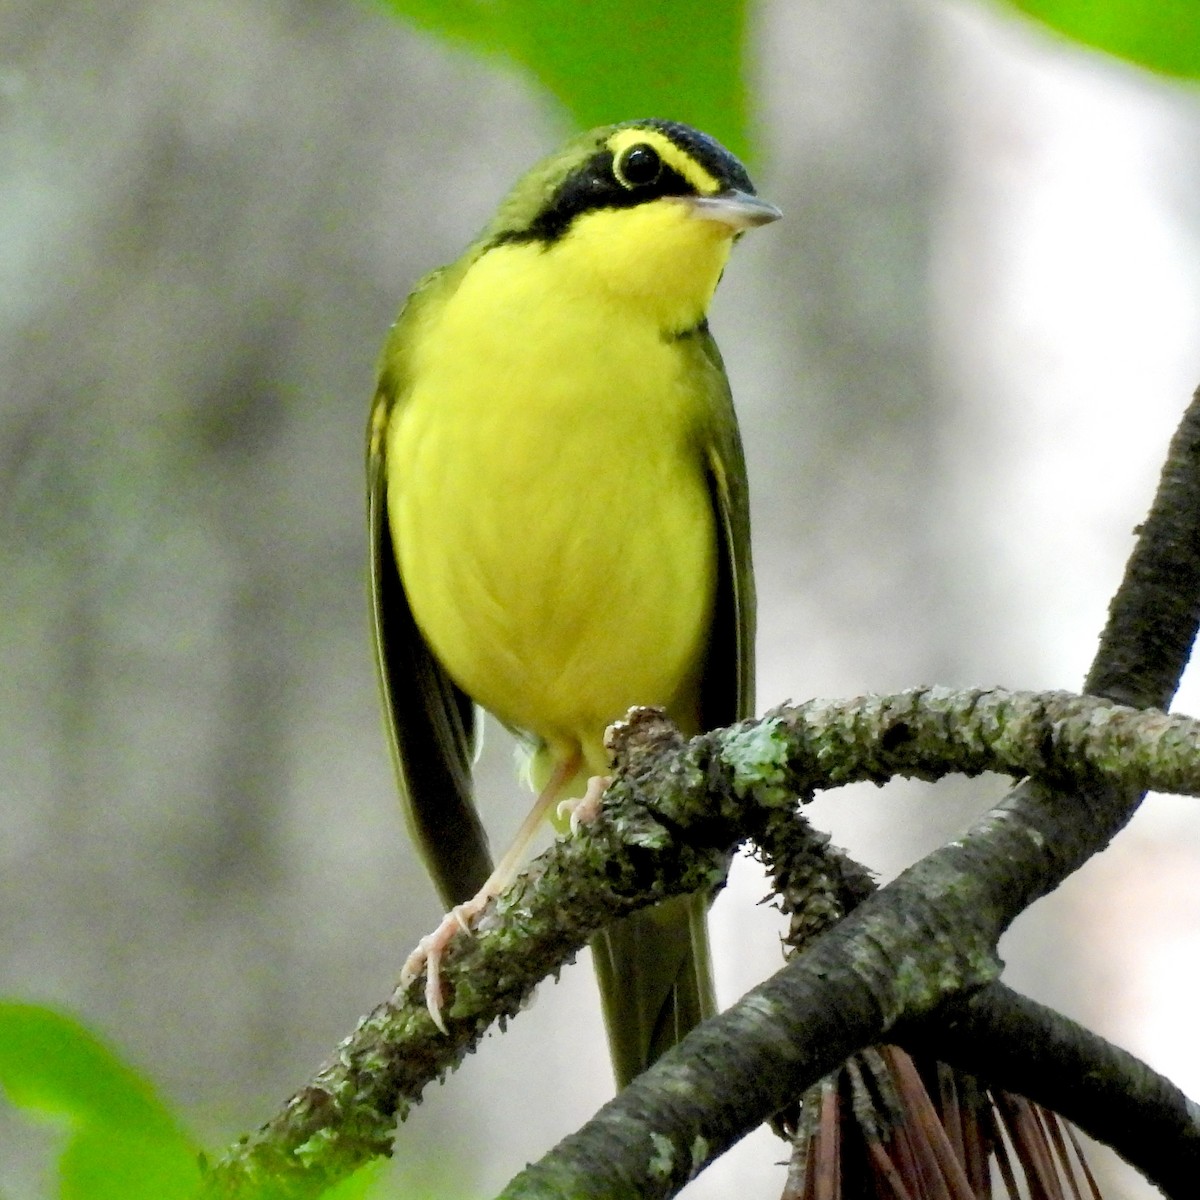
(738,210)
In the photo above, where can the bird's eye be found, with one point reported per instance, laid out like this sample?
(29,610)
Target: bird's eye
(638,166)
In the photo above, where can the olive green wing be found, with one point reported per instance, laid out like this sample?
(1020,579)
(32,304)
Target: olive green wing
(727,684)
(430,722)
(653,967)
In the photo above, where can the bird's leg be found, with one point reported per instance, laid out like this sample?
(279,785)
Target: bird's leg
(432,948)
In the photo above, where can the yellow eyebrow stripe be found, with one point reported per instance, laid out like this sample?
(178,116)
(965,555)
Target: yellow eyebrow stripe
(678,160)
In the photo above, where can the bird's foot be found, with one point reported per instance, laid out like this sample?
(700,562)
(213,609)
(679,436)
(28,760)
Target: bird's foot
(432,948)
(587,808)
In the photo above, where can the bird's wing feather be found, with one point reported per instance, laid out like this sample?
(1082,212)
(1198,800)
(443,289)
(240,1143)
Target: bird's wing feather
(727,684)
(430,722)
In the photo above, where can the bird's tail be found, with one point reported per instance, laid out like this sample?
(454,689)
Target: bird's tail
(655,980)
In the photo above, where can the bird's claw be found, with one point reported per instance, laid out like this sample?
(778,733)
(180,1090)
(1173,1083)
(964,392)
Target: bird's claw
(430,951)
(587,808)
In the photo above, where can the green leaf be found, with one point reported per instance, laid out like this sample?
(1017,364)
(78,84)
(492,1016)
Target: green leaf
(103,1163)
(1163,35)
(612,60)
(366,1182)
(122,1143)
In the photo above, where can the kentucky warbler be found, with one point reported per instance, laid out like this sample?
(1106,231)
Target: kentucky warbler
(559,521)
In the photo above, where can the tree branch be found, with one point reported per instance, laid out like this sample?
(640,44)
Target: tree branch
(1153,617)
(670,821)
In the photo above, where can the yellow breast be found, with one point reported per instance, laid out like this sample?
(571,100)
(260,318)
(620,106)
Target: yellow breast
(547,493)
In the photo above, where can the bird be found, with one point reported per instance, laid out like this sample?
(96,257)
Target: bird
(559,525)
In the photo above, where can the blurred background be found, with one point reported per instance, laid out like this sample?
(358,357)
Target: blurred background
(958,362)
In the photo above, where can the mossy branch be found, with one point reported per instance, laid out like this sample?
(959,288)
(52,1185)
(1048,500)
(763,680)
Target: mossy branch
(671,819)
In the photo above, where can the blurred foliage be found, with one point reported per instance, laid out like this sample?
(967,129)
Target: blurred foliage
(121,1142)
(365,1184)
(1163,35)
(614,60)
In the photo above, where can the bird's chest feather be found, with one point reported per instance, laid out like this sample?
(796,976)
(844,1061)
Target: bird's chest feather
(553,524)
